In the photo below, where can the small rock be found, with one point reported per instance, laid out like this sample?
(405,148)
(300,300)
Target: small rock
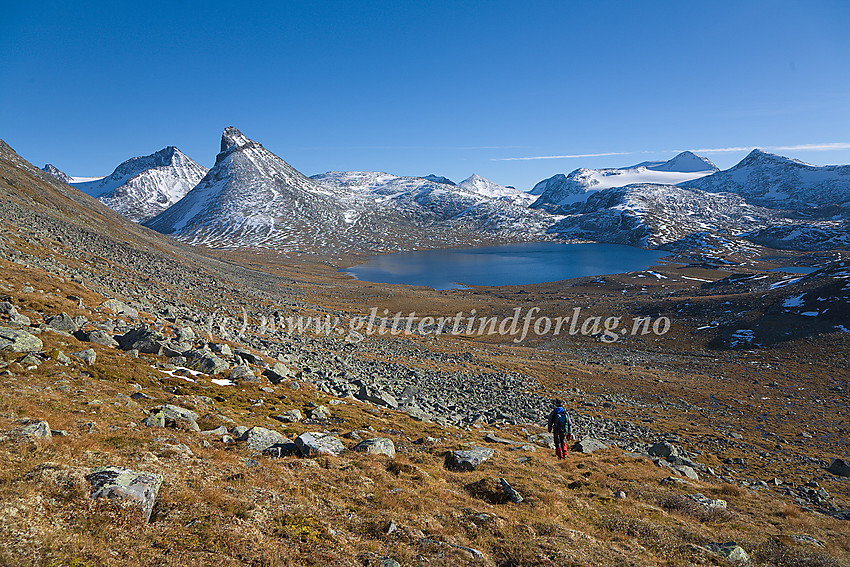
(664,450)
(589,445)
(706,502)
(313,444)
(88,356)
(290,416)
(376,446)
(259,438)
(62,322)
(97,336)
(468,460)
(38,430)
(119,308)
(490,438)
(320,412)
(731,551)
(510,492)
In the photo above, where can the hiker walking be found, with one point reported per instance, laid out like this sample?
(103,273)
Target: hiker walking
(561,427)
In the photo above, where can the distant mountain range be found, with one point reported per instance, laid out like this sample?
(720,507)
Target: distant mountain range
(253,198)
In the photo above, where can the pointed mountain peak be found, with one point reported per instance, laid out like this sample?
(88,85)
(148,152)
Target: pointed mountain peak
(760,156)
(686,162)
(233,139)
(57,173)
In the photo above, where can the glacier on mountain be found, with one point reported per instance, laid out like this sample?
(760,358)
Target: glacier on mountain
(560,192)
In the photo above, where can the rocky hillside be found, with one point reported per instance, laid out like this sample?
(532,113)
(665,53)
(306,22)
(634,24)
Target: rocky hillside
(654,215)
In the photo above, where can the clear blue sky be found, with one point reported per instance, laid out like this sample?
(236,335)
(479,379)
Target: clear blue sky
(412,88)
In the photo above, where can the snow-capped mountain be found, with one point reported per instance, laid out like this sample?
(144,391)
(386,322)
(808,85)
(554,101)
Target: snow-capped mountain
(251,197)
(51,169)
(654,215)
(477,184)
(685,162)
(479,208)
(438,179)
(142,187)
(558,193)
(779,182)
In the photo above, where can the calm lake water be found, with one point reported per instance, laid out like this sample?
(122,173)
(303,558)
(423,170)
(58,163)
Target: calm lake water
(513,264)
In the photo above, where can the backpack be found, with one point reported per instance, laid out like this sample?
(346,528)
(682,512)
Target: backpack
(561,420)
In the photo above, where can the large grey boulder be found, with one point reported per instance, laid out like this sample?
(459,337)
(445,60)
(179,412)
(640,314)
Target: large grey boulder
(62,322)
(376,446)
(839,467)
(281,450)
(119,308)
(98,337)
(258,439)
(89,356)
(143,340)
(377,397)
(314,444)
(39,430)
(589,445)
(169,415)
(469,459)
(277,373)
(665,450)
(243,373)
(205,361)
(15,340)
(115,483)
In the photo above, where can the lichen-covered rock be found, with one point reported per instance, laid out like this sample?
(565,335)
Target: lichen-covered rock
(89,356)
(589,445)
(205,361)
(15,340)
(376,446)
(469,459)
(38,430)
(62,322)
(98,337)
(119,308)
(169,415)
(313,444)
(115,483)
(259,438)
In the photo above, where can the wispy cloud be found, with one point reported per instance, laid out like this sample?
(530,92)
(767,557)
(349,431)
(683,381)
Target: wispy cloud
(571,156)
(831,146)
